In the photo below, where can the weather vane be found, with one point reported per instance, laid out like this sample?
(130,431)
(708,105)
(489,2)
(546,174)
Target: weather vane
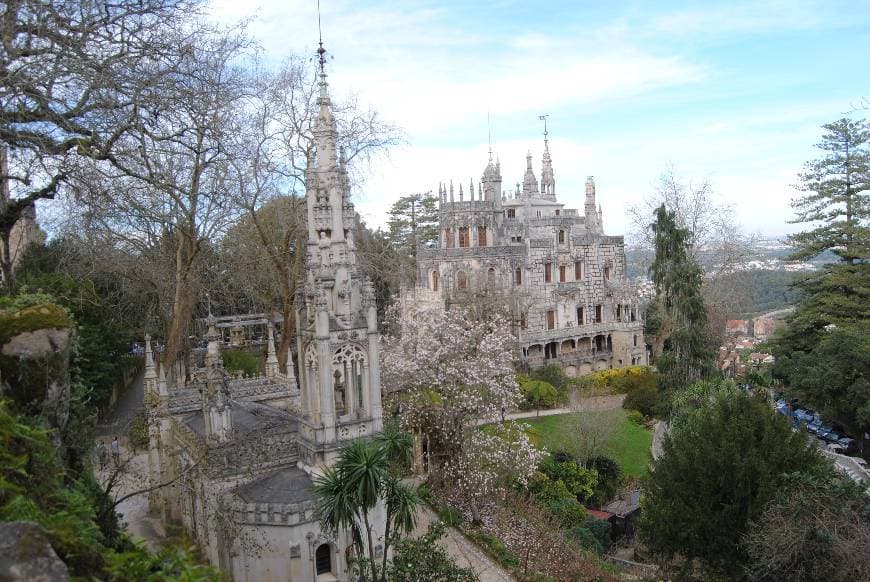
(544,119)
(320,51)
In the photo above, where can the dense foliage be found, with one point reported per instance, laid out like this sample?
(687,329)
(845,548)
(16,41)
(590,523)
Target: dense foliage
(418,559)
(815,528)
(836,199)
(365,475)
(678,316)
(721,463)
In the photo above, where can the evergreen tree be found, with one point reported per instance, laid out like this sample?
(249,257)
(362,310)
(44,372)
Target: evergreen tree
(837,195)
(678,316)
(821,354)
(413,222)
(723,461)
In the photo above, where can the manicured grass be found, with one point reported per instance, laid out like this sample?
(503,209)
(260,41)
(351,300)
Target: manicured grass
(629,445)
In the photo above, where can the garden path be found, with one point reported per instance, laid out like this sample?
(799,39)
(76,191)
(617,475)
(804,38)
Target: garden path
(463,551)
(610,402)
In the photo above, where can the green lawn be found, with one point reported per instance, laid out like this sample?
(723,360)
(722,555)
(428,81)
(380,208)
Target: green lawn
(629,444)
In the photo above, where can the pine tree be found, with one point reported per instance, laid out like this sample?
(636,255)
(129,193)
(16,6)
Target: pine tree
(836,195)
(413,222)
(678,316)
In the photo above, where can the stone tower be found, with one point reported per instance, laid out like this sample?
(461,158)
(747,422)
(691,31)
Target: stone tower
(339,370)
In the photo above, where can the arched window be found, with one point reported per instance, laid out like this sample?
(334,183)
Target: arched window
(435,280)
(548,272)
(323,559)
(448,238)
(461,281)
(481,236)
(518,277)
(490,277)
(607,273)
(561,237)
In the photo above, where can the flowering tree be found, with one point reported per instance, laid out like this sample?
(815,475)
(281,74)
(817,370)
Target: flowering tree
(450,372)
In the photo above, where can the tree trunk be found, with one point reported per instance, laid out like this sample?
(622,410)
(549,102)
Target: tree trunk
(6,262)
(182,304)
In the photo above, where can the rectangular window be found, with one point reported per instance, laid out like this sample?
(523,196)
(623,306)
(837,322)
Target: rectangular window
(635,340)
(518,277)
(548,273)
(557,212)
(551,319)
(561,273)
(619,313)
(561,237)
(523,322)
(481,236)
(511,213)
(463,237)
(598,313)
(580,320)
(578,271)
(607,273)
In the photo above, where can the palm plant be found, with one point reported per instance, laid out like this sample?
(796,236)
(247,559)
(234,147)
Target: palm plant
(364,475)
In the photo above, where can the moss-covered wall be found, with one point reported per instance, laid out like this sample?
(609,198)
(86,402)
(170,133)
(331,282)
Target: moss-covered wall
(35,346)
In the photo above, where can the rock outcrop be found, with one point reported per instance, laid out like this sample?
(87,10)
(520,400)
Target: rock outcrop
(35,346)
(27,555)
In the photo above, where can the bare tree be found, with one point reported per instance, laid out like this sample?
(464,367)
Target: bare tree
(72,74)
(716,241)
(272,154)
(167,194)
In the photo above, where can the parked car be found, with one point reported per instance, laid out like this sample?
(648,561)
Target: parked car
(814,426)
(832,436)
(849,445)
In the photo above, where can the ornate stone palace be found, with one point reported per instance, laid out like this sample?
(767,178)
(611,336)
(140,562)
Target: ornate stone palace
(561,276)
(241,454)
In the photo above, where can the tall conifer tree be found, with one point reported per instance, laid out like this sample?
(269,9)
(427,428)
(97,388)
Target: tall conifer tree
(836,195)
(678,316)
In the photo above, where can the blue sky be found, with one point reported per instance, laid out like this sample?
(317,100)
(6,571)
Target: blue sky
(733,92)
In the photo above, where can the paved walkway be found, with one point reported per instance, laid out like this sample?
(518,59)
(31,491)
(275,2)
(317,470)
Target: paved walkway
(464,551)
(131,401)
(134,511)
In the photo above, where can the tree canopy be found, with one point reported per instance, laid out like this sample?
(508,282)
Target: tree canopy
(836,195)
(721,463)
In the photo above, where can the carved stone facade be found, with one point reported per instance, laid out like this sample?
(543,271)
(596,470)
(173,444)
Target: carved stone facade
(241,454)
(562,277)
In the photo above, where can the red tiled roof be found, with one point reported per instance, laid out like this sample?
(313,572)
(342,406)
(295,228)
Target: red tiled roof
(598,514)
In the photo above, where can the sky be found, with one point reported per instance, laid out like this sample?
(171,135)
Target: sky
(731,92)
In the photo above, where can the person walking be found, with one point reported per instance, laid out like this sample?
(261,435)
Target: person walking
(116,451)
(103,455)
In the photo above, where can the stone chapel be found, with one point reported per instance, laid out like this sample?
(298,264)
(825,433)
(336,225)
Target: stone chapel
(242,454)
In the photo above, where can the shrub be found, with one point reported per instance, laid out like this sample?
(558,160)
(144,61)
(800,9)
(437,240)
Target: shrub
(579,481)
(569,512)
(585,538)
(609,479)
(553,375)
(496,548)
(450,516)
(240,361)
(138,432)
(538,393)
(636,417)
(601,529)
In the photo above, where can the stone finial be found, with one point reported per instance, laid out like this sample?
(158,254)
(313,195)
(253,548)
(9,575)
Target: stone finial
(471,189)
(271,356)
(461,197)
(451,190)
